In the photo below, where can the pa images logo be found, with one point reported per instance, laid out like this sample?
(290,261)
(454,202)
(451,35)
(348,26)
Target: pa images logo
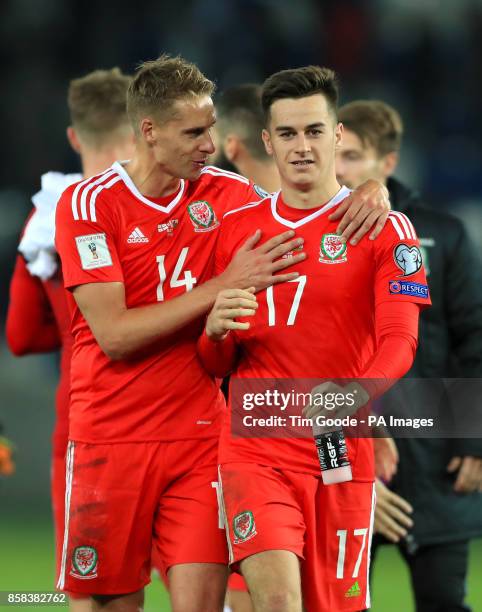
(84,563)
(408,259)
(202,216)
(244,527)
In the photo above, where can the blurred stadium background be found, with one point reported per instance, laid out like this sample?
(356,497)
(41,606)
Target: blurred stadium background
(422,56)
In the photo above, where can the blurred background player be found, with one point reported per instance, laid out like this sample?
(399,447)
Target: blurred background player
(238,135)
(38,319)
(433,508)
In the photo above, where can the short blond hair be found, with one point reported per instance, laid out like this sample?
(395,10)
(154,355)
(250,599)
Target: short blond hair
(159,83)
(97,104)
(376,124)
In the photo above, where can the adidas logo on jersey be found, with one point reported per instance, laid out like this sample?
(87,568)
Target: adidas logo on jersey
(137,236)
(354,590)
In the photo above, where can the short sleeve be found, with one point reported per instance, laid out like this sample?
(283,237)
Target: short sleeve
(86,244)
(400,273)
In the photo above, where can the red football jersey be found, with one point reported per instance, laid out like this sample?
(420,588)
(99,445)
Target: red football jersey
(108,231)
(321,325)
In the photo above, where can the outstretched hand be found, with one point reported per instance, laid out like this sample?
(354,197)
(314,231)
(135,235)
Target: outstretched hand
(260,266)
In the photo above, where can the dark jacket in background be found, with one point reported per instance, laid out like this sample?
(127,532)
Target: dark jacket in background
(450,346)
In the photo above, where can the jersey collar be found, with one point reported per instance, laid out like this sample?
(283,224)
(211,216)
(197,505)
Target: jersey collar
(119,168)
(335,200)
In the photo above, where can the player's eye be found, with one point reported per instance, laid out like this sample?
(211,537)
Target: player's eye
(195,133)
(315,132)
(286,135)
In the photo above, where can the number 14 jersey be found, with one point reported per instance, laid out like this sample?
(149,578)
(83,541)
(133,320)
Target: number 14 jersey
(107,231)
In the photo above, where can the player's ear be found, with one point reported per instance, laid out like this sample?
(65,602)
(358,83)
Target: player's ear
(338,134)
(389,163)
(148,130)
(231,146)
(73,139)
(267,142)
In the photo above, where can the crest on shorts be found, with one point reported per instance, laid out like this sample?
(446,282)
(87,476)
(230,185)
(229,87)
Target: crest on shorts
(84,562)
(202,216)
(244,527)
(332,249)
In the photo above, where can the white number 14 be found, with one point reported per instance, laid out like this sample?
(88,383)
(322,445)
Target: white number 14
(188,281)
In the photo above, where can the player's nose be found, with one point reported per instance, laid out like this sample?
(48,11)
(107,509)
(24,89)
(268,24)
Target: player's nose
(302,144)
(207,146)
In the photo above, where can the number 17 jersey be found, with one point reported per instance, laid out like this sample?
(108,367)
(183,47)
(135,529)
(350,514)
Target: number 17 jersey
(320,325)
(107,231)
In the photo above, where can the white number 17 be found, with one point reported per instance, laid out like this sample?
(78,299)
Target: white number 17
(340,568)
(301,280)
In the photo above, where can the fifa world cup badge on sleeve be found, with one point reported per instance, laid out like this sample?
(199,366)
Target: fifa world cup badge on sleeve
(202,216)
(332,249)
(84,563)
(93,251)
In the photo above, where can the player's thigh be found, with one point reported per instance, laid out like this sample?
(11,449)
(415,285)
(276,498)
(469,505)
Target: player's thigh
(188,526)
(111,497)
(261,511)
(197,587)
(273,579)
(339,528)
(438,575)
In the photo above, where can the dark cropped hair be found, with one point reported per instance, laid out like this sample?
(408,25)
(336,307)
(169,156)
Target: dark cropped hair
(300,83)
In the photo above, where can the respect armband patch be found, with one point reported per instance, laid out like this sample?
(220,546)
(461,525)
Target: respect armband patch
(405,288)
(93,251)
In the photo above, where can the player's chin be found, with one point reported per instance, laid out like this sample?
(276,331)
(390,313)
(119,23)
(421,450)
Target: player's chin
(303,181)
(194,171)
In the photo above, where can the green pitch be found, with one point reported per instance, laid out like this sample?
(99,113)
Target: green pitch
(26,564)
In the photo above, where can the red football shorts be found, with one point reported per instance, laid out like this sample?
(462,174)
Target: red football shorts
(57,490)
(123,500)
(328,527)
